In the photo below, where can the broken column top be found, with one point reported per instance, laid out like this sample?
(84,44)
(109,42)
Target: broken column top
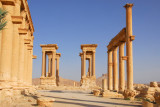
(128,5)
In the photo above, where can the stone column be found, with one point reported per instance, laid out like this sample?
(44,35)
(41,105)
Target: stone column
(121,68)
(21,59)
(110,68)
(104,84)
(84,64)
(49,65)
(115,70)
(43,63)
(6,45)
(15,44)
(129,46)
(93,64)
(81,66)
(90,67)
(25,64)
(57,72)
(53,63)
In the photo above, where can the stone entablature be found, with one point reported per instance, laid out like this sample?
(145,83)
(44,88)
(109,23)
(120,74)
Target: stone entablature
(88,53)
(16,43)
(49,78)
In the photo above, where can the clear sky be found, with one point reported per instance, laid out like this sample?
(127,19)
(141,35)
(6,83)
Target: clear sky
(70,23)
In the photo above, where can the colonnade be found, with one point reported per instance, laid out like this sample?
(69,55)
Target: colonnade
(124,36)
(53,64)
(16,44)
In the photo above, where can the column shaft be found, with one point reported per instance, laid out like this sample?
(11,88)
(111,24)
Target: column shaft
(6,46)
(121,68)
(43,63)
(115,70)
(81,67)
(57,72)
(84,65)
(21,59)
(53,63)
(110,68)
(129,46)
(93,64)
(15,45)
(90,67)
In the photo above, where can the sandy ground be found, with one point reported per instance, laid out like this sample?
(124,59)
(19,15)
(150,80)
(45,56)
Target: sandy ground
(85,99)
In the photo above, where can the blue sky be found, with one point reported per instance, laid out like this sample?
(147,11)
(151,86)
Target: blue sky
(70,23)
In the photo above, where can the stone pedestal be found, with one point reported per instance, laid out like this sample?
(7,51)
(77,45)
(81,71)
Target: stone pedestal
(88,82)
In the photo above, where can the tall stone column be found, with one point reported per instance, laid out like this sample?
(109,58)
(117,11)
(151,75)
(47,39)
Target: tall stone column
(49,65)
(31,63)
(121,68)
(110,68)
(90,67)
(84,64)
(43,63)
(53,63)
(81,66)
(21,59)
(6,45)
(57,72)
(93,64)
(115,70)
(25,64)
(15,44)
(129,46)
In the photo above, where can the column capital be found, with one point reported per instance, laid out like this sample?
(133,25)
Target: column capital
(94,51)
(128,5)
(43,51)
(84,51)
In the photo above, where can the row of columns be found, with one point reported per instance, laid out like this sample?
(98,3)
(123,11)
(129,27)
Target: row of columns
(112,58)
(53,61)
(16,44)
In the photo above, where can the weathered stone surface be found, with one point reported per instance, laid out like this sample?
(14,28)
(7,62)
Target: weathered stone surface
(110,94)
(153,84)
(45,102)
(129,94)
(96,92)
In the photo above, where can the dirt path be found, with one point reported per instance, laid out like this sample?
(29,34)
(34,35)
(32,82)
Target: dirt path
(84,99)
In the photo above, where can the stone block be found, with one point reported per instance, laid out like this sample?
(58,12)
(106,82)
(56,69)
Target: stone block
(45,102)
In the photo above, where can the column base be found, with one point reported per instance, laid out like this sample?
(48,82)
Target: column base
(88,82)
(47,82)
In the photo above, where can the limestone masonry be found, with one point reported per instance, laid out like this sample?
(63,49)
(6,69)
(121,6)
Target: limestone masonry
(49,78)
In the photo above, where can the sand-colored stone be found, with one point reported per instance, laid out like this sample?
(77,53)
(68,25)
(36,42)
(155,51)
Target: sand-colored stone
(104,84)
(96,92)
(88,53)
(13,68)
(124,36)
(51,77)
(45,102)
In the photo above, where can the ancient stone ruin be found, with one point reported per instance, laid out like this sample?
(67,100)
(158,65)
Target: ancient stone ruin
(124,36)
(51,77)
(88,53)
